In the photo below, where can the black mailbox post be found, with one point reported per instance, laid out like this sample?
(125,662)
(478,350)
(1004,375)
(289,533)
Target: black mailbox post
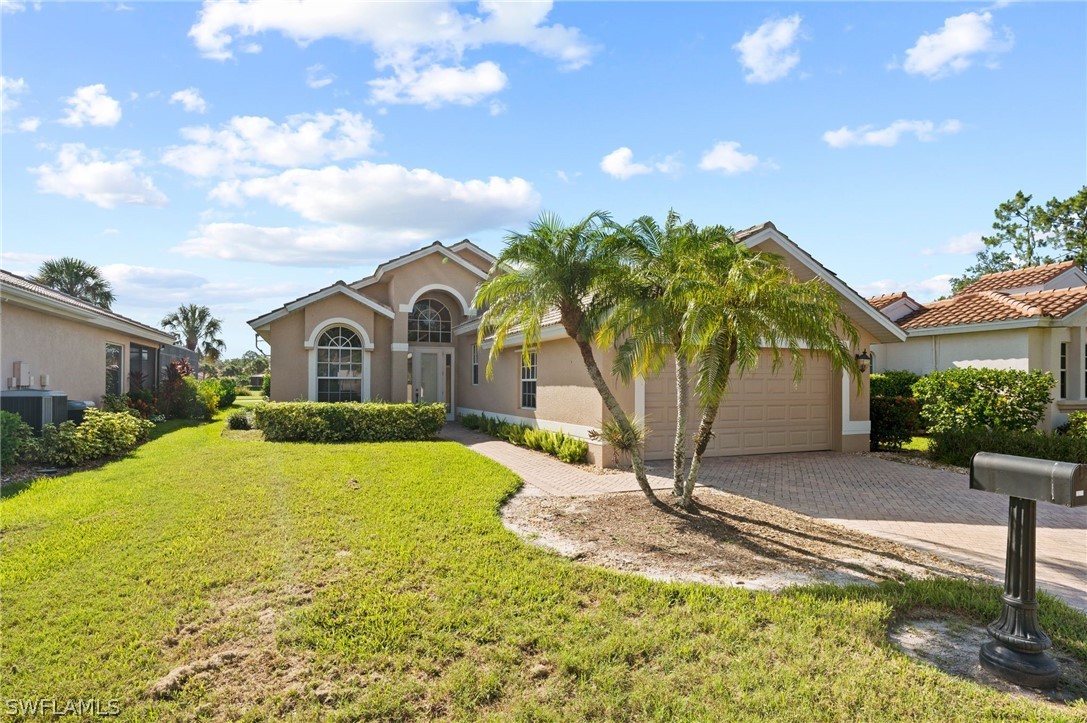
(1017,649)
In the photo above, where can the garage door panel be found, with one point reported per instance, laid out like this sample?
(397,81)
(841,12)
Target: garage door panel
(763,413)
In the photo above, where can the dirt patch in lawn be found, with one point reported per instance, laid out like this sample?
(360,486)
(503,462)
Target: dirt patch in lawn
(952,645)
(728,540)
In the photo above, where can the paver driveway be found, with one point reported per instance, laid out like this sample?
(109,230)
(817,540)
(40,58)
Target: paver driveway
(929,509)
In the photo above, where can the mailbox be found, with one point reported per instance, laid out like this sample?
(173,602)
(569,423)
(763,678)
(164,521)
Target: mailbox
(1041,480)
(1017,649)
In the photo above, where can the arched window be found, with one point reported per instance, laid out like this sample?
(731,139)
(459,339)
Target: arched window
(429,321)
(339,366)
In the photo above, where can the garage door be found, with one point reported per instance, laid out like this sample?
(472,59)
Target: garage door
(764,412)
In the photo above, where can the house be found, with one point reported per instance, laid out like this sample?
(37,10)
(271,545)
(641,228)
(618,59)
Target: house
(49,340)
(1030,319)
(409,331)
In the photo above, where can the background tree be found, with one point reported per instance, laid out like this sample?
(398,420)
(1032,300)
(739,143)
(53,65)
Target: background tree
(196,329)
(76,278)
(1023,231)
(554,267)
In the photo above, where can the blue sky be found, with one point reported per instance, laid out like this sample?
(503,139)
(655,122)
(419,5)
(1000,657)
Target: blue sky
(241,155)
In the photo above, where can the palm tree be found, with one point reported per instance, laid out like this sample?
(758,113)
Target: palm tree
(77,278)
(649,314)
(554,267)
(194,327)
(741,303)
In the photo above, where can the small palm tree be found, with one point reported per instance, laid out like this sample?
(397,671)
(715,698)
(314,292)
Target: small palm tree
(557,268)
(742,302)
(196,329)
(77,278)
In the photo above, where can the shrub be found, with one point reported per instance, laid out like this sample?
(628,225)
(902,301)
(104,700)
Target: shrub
(238,420)
(60,445)
(983,398)
(895,383)
(894,421)
(556,444)
(1076,426)
(471,421)
(177,393)
(266,387)
(958,446)
(228,392)
(622,443)
(105,434)
(573,450)
(16,438)
(114,403)
(348,421)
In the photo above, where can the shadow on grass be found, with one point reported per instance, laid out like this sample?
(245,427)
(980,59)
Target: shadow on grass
(160,430)
(975,601)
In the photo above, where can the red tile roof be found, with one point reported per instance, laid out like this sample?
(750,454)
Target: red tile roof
(882,302)
(1019,278)
(989,306)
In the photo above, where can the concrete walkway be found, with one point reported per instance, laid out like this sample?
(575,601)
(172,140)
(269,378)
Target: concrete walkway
(929,509)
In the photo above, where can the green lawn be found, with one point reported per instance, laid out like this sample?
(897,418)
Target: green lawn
(917,444)
(376,581)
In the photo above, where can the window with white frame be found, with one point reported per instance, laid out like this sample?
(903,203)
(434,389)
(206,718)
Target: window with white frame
(429,321)
(1064,370)
(528,381)
(114,361)
(475,364)
(339,366)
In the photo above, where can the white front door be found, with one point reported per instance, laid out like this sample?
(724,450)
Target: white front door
(432,377)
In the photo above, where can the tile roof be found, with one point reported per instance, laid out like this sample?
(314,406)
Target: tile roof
(882,302)
(9,279)
(990,306)
(1019,278)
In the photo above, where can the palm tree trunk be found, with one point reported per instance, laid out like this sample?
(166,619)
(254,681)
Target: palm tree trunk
(619,415)
(679,450)
(701,441)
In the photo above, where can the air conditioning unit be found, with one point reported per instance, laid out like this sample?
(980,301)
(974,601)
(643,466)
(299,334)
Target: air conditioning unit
(36,407)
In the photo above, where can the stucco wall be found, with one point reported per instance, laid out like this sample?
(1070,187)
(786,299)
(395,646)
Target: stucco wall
(1008,349)
(406,280)
(72,353)
(289,362)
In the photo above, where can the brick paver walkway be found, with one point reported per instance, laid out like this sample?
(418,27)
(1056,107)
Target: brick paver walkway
(929,509)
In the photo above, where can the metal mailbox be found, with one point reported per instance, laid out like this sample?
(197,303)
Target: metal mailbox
(1017,649)
(1041,480)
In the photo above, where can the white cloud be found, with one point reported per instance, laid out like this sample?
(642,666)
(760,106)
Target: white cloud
(952,48)
(620,164)
(81,172)
(92,104)
(318,77)
(436,85)
(767,54)
(149,287)
(868,135)
(10,87)
(30,125)
(12,6)
(248,145)
(191,100)
(24,263)
(961,245)
(923,290)
(726,156)
(417,41)
(496,107)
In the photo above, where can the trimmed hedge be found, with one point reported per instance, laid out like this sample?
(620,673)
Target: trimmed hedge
(958,446)
(101,435)
(894,383)
(894,421)
(983,398)
(556,444)
(348,421)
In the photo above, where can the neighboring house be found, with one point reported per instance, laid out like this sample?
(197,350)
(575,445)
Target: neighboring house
(408,332)
(84,350)
(1026,319)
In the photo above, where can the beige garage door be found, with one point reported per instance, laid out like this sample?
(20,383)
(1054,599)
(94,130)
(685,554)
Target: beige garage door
(764,412)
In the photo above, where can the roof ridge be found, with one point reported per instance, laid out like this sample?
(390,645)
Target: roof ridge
(1016,304)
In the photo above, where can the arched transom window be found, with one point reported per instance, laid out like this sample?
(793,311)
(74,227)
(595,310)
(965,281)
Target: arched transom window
(429,321)
(339,366)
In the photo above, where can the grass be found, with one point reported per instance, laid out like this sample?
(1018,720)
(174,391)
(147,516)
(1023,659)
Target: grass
(375,581)
(917,444)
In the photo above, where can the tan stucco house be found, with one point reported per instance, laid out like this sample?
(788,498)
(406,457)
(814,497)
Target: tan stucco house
(1029,319)
(408,332)
(49,340)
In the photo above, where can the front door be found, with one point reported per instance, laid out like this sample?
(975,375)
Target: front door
(432,377)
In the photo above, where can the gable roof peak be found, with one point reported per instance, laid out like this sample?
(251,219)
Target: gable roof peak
(1016,278)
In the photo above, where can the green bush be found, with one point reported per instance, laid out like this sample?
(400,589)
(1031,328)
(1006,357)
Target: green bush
(348,421)
(556,444)
(238,420)
(105,434)
(228,392)
(573,450)
(60,446)
(894,421)
(1076,426)
(205,399)
(471,421)
(894,383)
(16,438)
(266,387)
(983,398)
(958,446)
